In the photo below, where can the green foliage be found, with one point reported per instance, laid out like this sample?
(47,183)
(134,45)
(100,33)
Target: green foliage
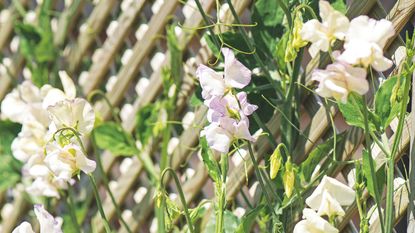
(36,45)
(353,112)
(9,167)
(269,17)
(339,5)
(380,175)
(318,154)
(210,162)
(230,220)
(248,220)
(388,100)
(111,136)
(146,122)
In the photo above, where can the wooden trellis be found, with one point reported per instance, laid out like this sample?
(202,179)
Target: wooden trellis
(94,46)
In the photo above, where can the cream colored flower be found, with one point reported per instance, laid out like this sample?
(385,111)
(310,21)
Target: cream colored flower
(365,41)
(313,223)
(334,26)
(16,104)
(329,206)
(24,227)
(66,161)
(339,79)
(327,193)
(48,224)
(77,114)
(54,95)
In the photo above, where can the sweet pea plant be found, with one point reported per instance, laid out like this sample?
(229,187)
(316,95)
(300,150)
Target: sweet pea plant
(52,138)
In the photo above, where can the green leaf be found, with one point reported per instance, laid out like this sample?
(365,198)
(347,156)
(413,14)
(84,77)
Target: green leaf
(9,167)
(210,162)
(380,175)
(111,136)
(388,99)
(176,56)
(339,5)
(248,220)
(231,223)
(269,17)
(146,121)
(317,155)
(353,112)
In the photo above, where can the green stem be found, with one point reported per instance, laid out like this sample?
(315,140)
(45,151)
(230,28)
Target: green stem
(372,166)
(259,178)
(181,195)
(380,144)
(286,12)
(105,181)
(221,189)
(99,203)
(391,160)
(100,93)
(206,20)
(333,126)
(71,204)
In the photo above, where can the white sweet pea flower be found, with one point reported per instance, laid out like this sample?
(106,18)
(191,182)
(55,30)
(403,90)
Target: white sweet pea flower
(31,139)
(313,223)
(329,206)
(15,105)
(339,79)
(213,83)
(24,227)
(48,224)
(54,95)
(68,160)
(365,41)
(44,183)
(338,192)
(44,187)
(77,114)
(334,26)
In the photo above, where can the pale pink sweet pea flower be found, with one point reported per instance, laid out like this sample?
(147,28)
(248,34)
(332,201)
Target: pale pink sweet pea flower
(365,41)
(77,114)
(334,26)
(220,135)
(339,79)
(313,223)
(228,105)
(48,224)
(217,137)
(213,83)
(343,194)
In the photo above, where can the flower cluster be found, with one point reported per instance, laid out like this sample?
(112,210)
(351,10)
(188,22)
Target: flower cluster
(228,111)
(364,39)
(326,200)
(50,161)
(48,224)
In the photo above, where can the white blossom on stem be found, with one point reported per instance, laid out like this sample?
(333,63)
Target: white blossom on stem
(334,26)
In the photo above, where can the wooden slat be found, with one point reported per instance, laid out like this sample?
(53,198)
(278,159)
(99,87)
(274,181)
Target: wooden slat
(112,45)
(95,24)
(141,49)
